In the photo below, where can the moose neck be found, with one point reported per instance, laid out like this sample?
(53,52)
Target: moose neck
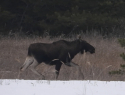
(75,47)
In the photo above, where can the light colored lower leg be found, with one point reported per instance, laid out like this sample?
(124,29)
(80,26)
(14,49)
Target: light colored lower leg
(27,63)
(78,68)
(80,71)
(73,64)
(33,66)
(56,74)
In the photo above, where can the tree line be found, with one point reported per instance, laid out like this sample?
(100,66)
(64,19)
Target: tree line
(61,16)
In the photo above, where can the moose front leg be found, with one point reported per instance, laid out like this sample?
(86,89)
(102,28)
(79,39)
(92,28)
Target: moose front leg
(57,68)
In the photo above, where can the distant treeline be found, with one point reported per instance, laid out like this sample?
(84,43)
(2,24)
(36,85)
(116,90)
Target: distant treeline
(61,16)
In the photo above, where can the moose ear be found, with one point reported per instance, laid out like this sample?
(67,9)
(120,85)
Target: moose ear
(79,37)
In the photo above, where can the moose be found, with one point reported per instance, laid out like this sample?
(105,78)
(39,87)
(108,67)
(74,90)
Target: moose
(56,53)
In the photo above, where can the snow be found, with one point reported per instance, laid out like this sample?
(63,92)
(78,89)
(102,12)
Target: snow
(46,87)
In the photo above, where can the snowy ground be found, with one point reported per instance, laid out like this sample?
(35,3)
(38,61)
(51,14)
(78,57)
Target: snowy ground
(44,87)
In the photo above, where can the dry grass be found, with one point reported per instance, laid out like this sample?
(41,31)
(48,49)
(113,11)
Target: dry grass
(96,66)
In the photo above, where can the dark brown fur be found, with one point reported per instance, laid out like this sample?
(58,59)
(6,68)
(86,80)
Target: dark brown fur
(63,51)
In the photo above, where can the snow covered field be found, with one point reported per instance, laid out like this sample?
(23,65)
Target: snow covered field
(45,87)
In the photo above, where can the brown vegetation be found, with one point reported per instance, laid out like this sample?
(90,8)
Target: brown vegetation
(13,52)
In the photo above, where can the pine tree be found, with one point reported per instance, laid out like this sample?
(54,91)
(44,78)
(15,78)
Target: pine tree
(122,66)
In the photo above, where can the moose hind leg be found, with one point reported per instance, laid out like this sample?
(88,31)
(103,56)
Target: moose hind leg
(33,66)
(29,60)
